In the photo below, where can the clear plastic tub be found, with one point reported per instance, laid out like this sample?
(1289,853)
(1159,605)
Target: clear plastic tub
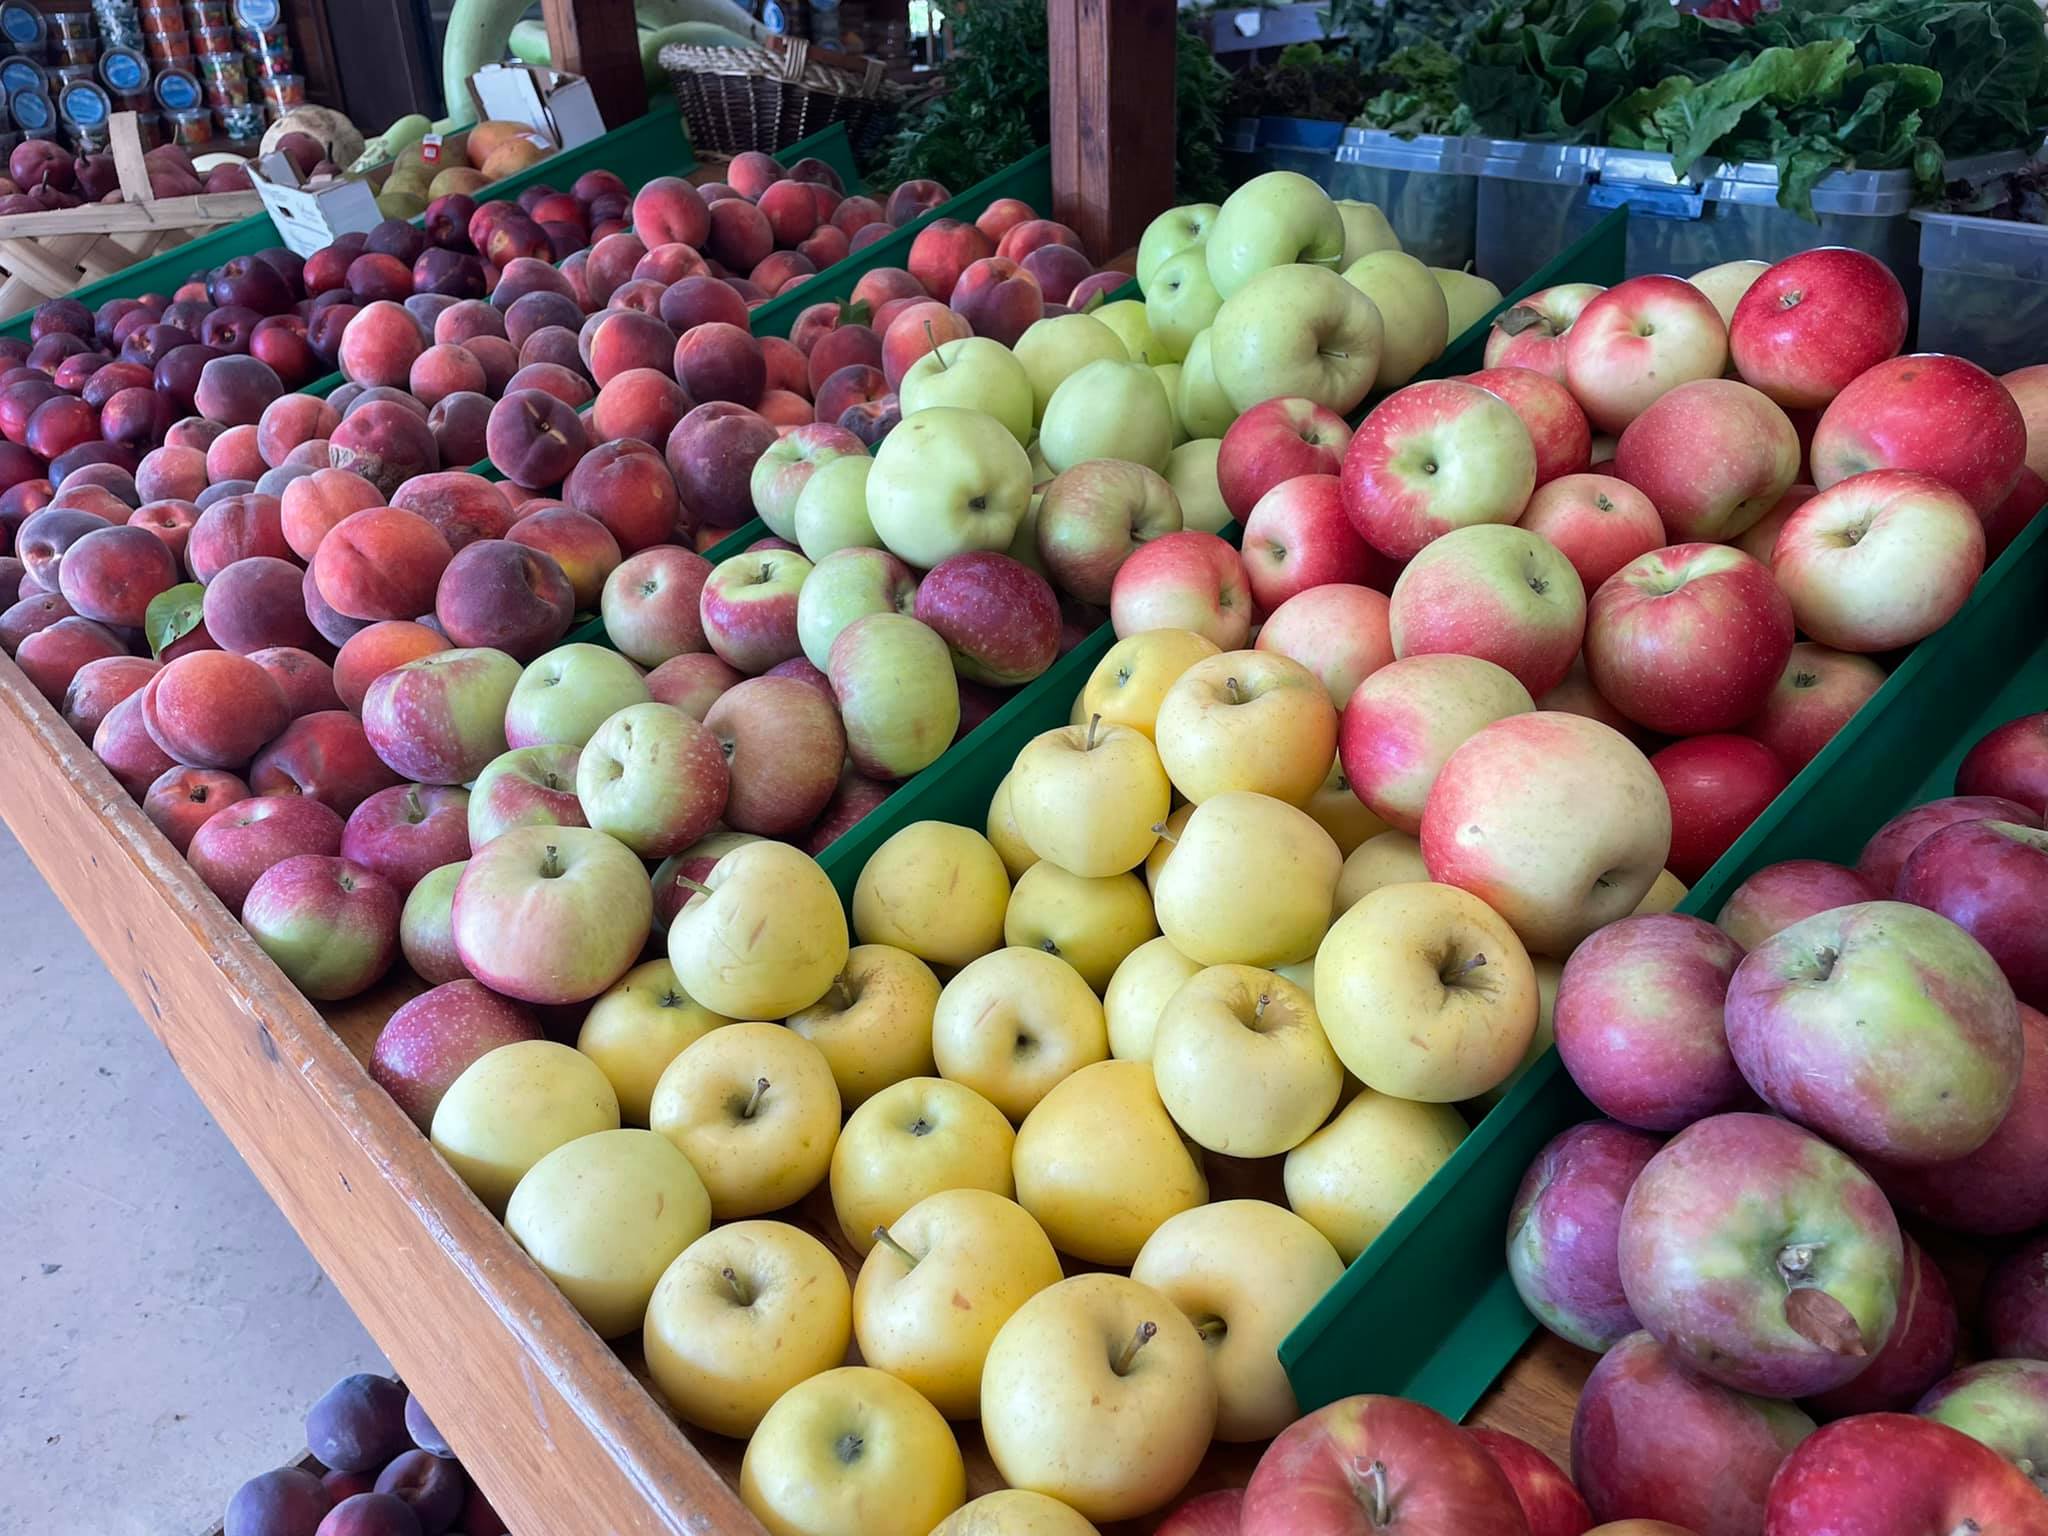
(1532,204)
(1983,289)
(1240,150)
(1304,145)
(1426,186)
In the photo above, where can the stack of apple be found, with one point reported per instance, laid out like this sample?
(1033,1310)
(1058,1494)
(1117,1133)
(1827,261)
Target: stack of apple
(1888,1013)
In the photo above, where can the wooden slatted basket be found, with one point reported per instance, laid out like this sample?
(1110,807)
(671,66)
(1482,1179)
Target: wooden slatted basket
(736,99)
(46,255)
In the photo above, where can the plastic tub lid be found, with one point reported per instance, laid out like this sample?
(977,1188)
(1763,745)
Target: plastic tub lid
(1966,243)
(22,26)
(177,91)
(1842,193)
(1299,133)
(1385,151)
(21,74)
(32,112)
(258,15)
(85,104)
(1531,160)
(124,70)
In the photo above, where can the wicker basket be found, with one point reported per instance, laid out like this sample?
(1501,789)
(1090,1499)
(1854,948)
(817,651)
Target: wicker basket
(736,99)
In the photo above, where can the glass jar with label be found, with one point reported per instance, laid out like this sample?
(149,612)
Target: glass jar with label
(23,29)
(124,71)
(84,104)
(177,90)
(20,73)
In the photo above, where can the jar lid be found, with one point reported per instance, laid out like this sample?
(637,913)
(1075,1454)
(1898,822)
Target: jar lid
(85,105)
(32,111)
(256,14)
(22,25)
(20,74)
(177,91)
(124,69)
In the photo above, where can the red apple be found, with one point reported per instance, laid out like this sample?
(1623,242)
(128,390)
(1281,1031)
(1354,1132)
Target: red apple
(1563,1228)
(1550,1503)
(1929,413)
(1297,537)
(1093,516)
(1920,1351)
(1339,632)
(1495,592)
(1813,322)
(1893,843)
(1207,1514)
(783,746)
(1378,1466)
(1817,694)
(431,1040)
(1779,895)
(1597,522)
(1434,457)
(1990,878)
(2010,762)
(1638,341)
(1714,456)
(1893,1474)
(1689,638)
(1717,786)
(1185,580)
(1276,441)
(1557,427)
(1531,334)
(1000,618)
(2014,1312)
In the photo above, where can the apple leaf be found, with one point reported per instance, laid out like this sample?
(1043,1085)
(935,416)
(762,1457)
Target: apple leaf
(171,616)
(1519,319)
(1821,1320)
(856,313)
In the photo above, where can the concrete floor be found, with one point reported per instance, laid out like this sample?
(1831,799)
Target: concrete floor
(165,1329)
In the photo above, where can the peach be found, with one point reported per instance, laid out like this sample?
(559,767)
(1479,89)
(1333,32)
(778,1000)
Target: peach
(854,385)
(114,479)
(387,444)
(171,473)
(786,408)
(943,250)
(999,299)
(711,453)
(289,421)
(627,339)
(565,381)
(717,361)
(168,520)
(369,653)
(537,311)
(458,422)
(213,709)
(775,271)
(668,210)
(700,300)
(872,420)
(444,369)
(381,563)
(233,848)
(515,238)
(788,367)
(111,574)
(234,528)
(641,295)
(791,211)
(580,544)
(52,656)
(740,238)
(256,603)
(181,800)
(467,319)
(307,681)
(916,330)
(235,455)
(642,403)
(43,538)
(500,359)
(313,504)
(912,198)
(816,173)
(843,345)
(1003,215)
(752,172)
(380,345)
(1093,288)
(881,284)
(1028,235)
(669,264)
(82,495)
(236,390)
(499,594)
(29,613)
(626,486)
(333,627)
(611,263)
(323,756)
(824,247)
(99,685)
(554,347)
(853,213)
(535,439)
(130,753)
(463,506)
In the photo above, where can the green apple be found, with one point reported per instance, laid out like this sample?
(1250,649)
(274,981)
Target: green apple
(564,696)
(1106,410)
(1181,301)
(1204,409)
(946,481)
(849,584)
(897,693)
(1174,231)
(1365,230)
(1168,375)
(1130,319)
(1294,330)
(977,374)
(1275,220)
(832,509)
(1469,298)
(780,473)
(1415,317)
(1191,471)
(1062,344)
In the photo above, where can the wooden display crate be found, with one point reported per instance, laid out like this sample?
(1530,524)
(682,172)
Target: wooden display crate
(547,1416)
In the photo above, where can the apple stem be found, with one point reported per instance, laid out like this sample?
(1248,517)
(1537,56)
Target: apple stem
(1128,1355)
(931,337)
(740,1293)
(754,1101)
(1463,969)
(881,1235)
(1212,1329)
(1094,724)
(551,866)
(1376,1481)
(697,886)
(848,1448)
(1165,832)
(1259,1008)
(1230,685)
(842,994)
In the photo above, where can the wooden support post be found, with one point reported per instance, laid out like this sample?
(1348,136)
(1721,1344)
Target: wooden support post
(1112,67)
(600,40)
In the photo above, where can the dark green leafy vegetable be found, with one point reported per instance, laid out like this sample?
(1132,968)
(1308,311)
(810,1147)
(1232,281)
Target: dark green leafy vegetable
(1304,81)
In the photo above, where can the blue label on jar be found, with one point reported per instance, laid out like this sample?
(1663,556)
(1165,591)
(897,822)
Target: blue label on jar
(124,71)
(177,91)
(32,111)
(257,15)
(19,74)
(773,19)
(22,25)
(85,106)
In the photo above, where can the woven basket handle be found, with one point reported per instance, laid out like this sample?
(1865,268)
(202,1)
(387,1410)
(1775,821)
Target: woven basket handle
(796,53)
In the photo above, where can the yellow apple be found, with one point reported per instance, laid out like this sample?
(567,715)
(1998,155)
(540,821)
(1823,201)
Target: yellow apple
(1664,894)
(1097,1392)
(852,1449)
(754,1108)
(1469,297)
(1129,682)
(938,1283)
(1250,882)
(933,889)
(745,1313)
(514,1105)
(1168,375)
(635,1029)
(913,1139)
(1014,1023)
(1365,230)
(1385,858)
(1149,975)
(875,1024)
(1244,1272)
(1724,285)
(1241,1062)
(1252,720)
(1339,812)
(1353,1176)
(1015,1512)
(1086,797)
(1191,471)
(1548,973)
(1417,315)
(1425,992)
(1089,923)
(1003,833)
(604,1216)
(1133,327)
(1100,1163)
(1203,409)
(767,939)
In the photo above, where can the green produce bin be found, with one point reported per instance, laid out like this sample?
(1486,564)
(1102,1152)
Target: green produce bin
(1426,186)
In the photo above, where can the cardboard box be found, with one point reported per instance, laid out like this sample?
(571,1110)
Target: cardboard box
(559,106)
(308,218)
